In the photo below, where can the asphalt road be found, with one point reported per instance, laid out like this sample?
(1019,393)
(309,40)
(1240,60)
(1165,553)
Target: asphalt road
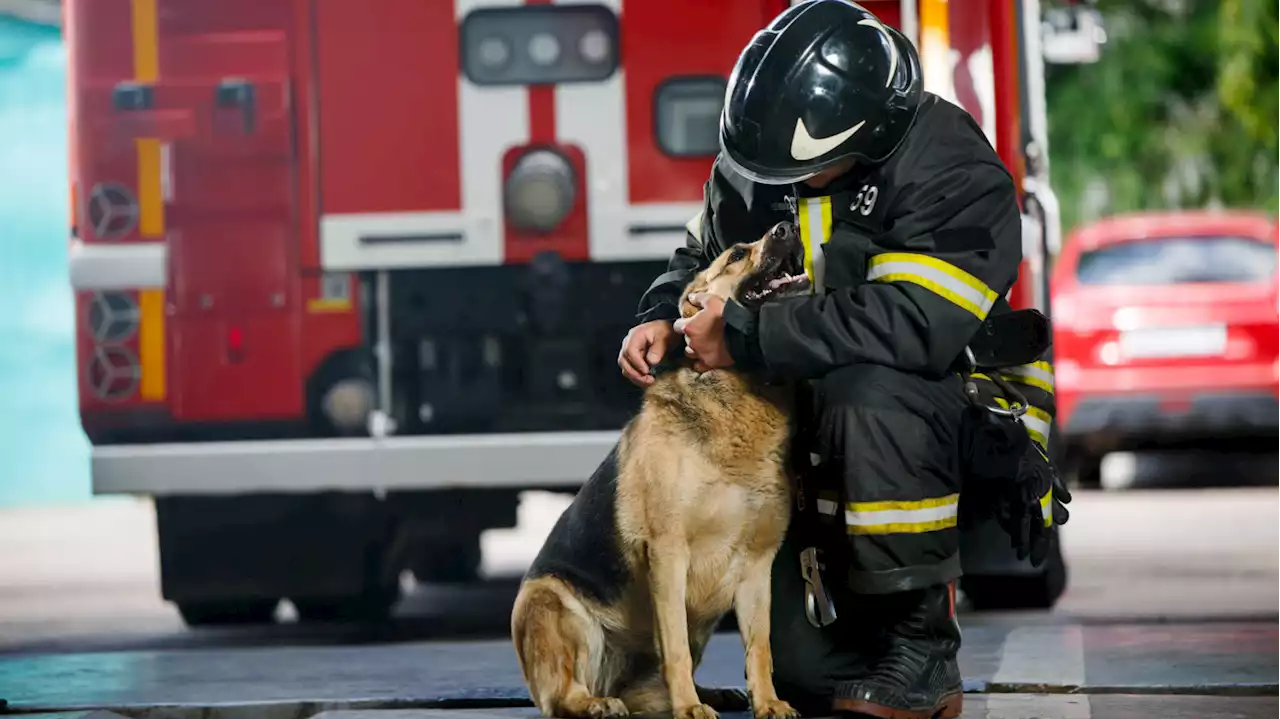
(1172,607)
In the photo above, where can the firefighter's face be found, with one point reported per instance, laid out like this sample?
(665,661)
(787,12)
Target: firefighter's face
(824,178)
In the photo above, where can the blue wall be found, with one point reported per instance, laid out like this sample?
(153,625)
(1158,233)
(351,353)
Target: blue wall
(43,453)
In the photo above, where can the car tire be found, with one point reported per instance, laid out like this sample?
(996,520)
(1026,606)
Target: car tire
(204,614)
(1040,591)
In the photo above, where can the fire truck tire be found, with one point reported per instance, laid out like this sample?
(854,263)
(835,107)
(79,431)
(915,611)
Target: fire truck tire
(1039,591)
(201,614)
(456,561)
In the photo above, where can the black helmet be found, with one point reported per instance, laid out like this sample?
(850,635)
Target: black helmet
(824,82)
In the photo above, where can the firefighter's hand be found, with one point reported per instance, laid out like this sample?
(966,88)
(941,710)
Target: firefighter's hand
(644,346)
(704,333)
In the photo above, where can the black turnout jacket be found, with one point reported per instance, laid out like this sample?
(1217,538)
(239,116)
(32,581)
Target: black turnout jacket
(908,257)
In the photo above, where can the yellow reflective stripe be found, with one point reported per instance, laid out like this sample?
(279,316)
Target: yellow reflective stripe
(146,69)
(902,517)
(150,198)
(904,527)
(151,220)
(942,278)
(151,345)
(1046,508)
(1036,374)
(318,305)
(146,48)
(814,219)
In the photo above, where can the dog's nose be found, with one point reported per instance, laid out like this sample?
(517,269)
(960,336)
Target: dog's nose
(783,231)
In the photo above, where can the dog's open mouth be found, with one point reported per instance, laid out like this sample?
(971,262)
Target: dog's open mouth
(778,278)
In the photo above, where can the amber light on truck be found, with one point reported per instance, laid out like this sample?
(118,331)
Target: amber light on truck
(539,44)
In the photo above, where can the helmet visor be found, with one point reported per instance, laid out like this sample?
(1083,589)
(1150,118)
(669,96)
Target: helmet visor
(765,179)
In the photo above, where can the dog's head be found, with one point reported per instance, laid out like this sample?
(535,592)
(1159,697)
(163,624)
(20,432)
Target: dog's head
(753,273)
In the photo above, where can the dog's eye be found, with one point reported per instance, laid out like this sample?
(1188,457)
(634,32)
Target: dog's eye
(739,254)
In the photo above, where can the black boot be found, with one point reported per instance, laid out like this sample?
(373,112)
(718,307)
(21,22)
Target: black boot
(916,676)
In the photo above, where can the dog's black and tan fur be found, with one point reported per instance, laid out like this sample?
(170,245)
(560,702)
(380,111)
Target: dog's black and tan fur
(680,523)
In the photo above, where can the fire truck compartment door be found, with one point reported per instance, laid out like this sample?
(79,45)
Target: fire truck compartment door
(231,228)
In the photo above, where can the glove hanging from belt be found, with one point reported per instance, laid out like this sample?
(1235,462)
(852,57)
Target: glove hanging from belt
(1008,475)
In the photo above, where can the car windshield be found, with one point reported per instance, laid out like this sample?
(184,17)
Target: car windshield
(1178,260)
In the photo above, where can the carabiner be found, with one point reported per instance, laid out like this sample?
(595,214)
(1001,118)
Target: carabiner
(818,607)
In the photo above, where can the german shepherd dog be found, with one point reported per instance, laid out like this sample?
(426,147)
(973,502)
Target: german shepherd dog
(681,522)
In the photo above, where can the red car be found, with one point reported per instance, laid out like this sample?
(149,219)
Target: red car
(1166,334)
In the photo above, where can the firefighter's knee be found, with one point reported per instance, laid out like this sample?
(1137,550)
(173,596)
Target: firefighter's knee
(889,440)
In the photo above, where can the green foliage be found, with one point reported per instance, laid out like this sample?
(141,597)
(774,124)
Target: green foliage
(1180,111)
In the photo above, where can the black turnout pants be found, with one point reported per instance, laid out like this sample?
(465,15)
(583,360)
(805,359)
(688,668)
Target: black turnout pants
(883,456)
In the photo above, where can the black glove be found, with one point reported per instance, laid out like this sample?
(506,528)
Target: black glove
(992,448)
(1008,476)
(1033,510)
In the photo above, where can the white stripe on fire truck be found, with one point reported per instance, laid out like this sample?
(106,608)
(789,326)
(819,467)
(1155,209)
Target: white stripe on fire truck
(491,119)
(593,115)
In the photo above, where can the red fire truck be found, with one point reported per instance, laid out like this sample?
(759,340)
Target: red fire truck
(351,276)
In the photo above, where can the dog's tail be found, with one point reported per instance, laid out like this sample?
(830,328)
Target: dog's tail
(558,645)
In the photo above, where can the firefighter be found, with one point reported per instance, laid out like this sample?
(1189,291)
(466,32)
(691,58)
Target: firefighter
(912,237)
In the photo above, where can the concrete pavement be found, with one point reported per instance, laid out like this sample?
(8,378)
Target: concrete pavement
(86,578)
(1171,613)
(1007,706)
(1000,658)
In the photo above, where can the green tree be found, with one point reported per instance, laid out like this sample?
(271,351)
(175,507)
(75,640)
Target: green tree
(1179,112)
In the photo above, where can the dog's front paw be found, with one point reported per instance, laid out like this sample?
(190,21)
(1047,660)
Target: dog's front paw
(607,708)
(697,711)
(598,708)
(775,709)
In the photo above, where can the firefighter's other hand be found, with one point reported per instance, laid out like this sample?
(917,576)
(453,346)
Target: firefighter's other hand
(644,346)
(704,333)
